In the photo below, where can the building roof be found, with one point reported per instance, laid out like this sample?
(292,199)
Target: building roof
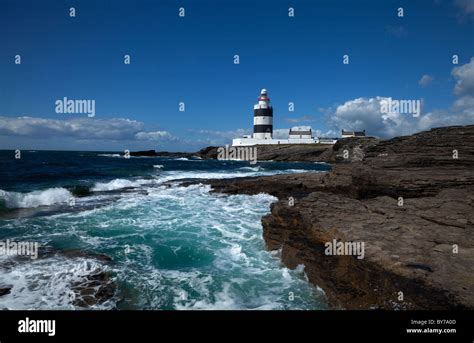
(354,133)
(300,128)
(296,133)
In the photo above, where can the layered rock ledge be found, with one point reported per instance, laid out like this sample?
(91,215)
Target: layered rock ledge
(410,200)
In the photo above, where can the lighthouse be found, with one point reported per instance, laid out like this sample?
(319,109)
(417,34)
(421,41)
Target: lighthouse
(263,117)
(263,128)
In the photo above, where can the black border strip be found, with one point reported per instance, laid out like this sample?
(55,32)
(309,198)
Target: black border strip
(90,325)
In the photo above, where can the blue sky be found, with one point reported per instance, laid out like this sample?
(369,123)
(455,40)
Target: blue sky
(190,59)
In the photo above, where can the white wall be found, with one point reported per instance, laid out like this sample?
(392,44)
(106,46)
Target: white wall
(253,141)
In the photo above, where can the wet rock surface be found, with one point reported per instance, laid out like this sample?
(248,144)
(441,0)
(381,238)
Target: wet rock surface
(5,290)
(408,248)
(97,288)
(153,153)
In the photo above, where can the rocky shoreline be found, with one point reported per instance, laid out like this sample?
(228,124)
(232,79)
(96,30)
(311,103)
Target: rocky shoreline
(409,199)
(280,153)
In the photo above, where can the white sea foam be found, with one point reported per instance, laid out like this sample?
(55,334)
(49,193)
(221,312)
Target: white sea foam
(223,300)
(166,176)
(109,155)
(247,172)
(120,184)
(295,171)
(46,197)
(255,169)
(47,283)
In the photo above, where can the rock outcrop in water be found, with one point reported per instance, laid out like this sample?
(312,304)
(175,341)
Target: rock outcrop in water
(410,200)
(281,153)
(5,290)
(153,153)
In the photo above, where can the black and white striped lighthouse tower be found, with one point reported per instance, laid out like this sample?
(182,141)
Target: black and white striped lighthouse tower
(263,117)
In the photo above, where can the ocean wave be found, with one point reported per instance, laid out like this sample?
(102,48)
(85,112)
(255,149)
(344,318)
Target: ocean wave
(256,169)
(189,249)
(109,155)
(195,174)
(175,247)
(46,197)
(159,166)
(240,172)
(120,184)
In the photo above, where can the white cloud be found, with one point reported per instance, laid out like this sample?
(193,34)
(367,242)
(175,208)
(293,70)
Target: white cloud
(365,113)
(464,105)
(466,7)
(205,137)
(425,80)
(79,129)
(230,134)
(325,134)
(465,79)
(281,133)
(154,136)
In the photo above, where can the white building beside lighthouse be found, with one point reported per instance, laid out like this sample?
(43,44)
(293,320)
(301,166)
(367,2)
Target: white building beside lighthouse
(263,127)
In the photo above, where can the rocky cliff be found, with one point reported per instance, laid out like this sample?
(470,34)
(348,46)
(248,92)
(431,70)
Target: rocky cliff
(282,152)
(410,200)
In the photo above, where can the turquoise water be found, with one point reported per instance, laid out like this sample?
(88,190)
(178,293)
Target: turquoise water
(172,247)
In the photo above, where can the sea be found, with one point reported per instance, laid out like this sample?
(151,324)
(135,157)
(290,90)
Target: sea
(170,247)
